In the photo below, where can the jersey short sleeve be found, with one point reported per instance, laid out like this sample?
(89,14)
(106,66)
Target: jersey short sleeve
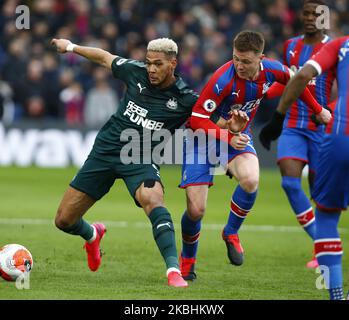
(124,69)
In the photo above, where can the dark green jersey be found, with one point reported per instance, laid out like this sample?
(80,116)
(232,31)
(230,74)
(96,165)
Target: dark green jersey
(144,109)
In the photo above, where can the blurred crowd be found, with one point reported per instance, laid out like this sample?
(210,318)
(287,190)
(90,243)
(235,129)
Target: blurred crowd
(37,83)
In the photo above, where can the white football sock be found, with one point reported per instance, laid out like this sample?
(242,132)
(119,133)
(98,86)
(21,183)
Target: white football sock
(93,238)
(172,269)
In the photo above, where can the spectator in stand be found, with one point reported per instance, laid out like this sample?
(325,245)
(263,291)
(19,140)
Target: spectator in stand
(101,100)
(73,101)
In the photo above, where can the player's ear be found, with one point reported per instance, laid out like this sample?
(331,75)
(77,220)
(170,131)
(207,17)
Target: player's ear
(262,56)
(174,63)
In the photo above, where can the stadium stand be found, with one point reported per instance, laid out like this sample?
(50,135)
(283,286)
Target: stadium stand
(35,83)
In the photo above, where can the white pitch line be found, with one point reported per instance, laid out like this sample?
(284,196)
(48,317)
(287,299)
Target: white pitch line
(144,225)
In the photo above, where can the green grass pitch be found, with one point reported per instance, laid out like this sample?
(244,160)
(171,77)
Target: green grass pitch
(276,248)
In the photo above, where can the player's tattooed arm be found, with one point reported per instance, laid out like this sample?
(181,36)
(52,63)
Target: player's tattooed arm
(97,55)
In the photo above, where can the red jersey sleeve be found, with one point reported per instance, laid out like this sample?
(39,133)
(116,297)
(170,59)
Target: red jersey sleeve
(283,74)
(277,89)
(218,87)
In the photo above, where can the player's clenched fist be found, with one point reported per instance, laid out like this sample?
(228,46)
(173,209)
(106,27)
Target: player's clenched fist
(324,116)
(61,44)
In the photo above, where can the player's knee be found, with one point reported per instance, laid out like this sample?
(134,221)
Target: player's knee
(61,221)
(290,184)
(249,184)
(150,199)
(196,210)
(150,205)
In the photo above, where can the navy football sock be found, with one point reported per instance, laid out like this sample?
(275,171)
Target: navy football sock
(190,236)
(328,250)
(241,204)
(300,204)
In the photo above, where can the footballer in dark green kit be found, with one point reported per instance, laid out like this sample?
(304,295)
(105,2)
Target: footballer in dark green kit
(144,109)
(155,99)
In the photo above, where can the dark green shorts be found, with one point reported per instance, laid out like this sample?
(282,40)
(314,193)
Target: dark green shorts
(96,177)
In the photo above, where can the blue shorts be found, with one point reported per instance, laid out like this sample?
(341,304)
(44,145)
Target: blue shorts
(201,159)
(300,144)
(331,188)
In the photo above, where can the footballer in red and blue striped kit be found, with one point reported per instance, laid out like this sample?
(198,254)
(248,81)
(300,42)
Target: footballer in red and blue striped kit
(297,51)
(331,187)
(300,139)
(239,84)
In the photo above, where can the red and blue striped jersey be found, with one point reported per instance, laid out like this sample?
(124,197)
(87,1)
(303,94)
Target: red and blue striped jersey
(226,91)
(296,54)
(334,57)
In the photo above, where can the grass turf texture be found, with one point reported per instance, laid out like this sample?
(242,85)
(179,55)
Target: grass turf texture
(132,268)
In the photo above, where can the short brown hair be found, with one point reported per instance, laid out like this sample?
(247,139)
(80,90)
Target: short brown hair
(249,41)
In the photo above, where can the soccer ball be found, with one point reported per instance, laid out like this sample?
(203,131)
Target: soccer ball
(15,260)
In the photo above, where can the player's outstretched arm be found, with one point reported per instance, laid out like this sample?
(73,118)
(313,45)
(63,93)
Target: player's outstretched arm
(100,56)
(294,89)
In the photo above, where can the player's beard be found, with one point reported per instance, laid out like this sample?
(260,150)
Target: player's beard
(311,30)
(311,33)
